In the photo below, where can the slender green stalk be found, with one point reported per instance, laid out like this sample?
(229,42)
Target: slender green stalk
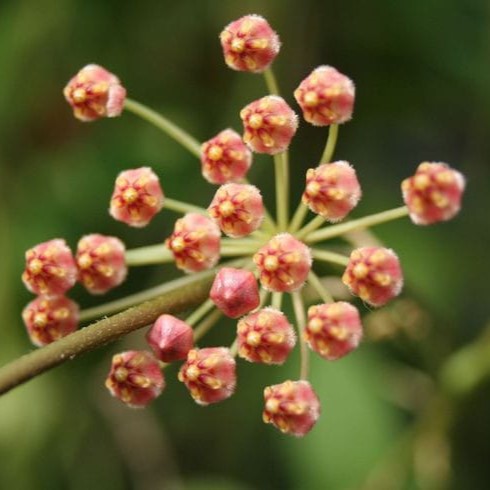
(197,314)
(183,207)
(299,312)
(236,251)
(331,257)
(271,82)
(331,143)
(234,347)
(165,125)
(207,324)
(366,222)
(264,295)
(322,291)
(153,254)
(313,225)
(277,300)
(298,218)
(282,205)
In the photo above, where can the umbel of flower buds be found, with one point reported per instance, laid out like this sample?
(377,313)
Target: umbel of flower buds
(292,407)
(49,318)
(170,338)
(283,263)
(269,125)
(225,158)
(101,263)
(374,274)
(50,268)
(237,209)
(265,336)
(333,329)
(434,193)
(137,197)
(195,243)
(235,291)
(135,378)
(326,97)
(249,44)
(332,190)
(209,374)
(94,93)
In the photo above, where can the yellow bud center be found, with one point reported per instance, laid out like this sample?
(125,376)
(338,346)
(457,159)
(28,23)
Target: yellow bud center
(215,153)
(256,121)
(271,263)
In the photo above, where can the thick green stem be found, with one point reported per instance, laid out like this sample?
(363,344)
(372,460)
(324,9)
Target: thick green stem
(102,332)
(165,125)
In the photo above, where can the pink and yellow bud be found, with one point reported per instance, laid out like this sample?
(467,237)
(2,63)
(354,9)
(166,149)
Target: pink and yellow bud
(332,190)
(265,336)
(49,318)
(333,329)
(195,243)
(235,292)
(225,158)
(237,209)
(135,378)
(50,268)
(283,263)
(101,263)
(209,374)
(94,93)
(170,338)
(434,193)
(292,407)
(249,44)
(137,197)
(374,274)
(269,125)
(326,97)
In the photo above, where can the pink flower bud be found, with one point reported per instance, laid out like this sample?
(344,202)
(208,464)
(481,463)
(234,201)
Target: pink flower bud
(101,263)
(135,378)
(49,318)
(249,44)
(269,125)
(333,329)
(332,190)
(170,338)
(137,197)
(265,336)
(326,97)
(434,193)
(292,407)
(374,274)
(209,374)
(237,209)
(235,292)
(195,243)
(283,263)
(225,158)
(94,93)
(50,268)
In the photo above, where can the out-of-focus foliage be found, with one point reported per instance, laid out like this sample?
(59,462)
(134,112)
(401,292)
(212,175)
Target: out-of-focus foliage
(422,75)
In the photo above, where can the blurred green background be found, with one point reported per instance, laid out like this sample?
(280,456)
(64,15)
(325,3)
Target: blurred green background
(422,73)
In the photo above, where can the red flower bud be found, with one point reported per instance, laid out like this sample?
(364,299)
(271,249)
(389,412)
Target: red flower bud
(50,268)
(269,125)
(94,93)
(326,97)
(332,190)
(209,374)
(195,243)
(170,338)
(235,291)
(292,407)
(265,336)
(49,318)
(135,378)
(137,197)
(374,274)
(225,158)
(249,44)
(101,263)
(333,329)
(284,263)
(237,209)
(434,193)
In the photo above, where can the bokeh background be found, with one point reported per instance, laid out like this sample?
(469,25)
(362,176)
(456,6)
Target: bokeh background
(409,409)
